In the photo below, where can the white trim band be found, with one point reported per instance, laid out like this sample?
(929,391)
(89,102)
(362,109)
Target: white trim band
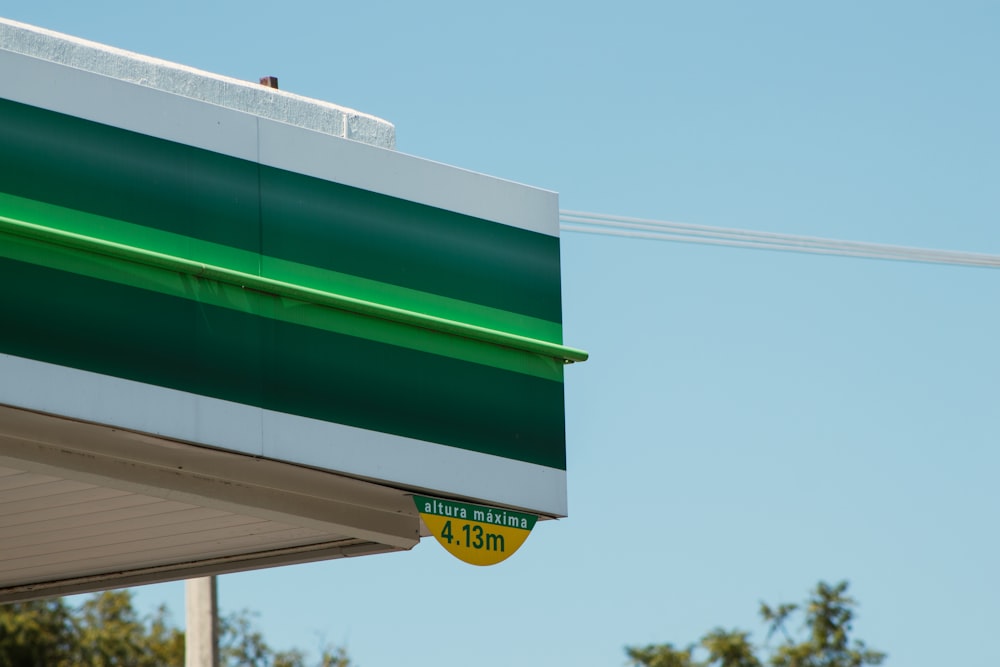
(200,124)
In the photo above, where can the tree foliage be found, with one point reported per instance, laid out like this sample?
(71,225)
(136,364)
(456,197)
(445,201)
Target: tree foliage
(107,631)
(36,634)
(822,640)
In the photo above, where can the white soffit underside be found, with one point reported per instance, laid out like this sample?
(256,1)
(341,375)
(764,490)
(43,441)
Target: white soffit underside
(85,507)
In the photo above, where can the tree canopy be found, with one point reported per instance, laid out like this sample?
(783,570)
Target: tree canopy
(107,631)
(822,640)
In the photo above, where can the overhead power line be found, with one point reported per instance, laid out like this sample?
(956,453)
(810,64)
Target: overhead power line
(615,225)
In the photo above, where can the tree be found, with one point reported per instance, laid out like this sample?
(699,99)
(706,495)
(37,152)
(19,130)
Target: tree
(826,617)
(36,634)
(107,631)
(240,644)
(110,633)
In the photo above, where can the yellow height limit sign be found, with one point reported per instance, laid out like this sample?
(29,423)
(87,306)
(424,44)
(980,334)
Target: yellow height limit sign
(474,533)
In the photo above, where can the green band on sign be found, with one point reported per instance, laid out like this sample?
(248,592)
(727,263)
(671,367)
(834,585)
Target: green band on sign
(239,259)
(279,288)
(158,262)
(167,186)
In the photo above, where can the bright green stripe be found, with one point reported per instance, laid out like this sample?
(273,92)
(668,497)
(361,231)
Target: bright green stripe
(407,299)
(179,343)
(191,192)
(126,233)
(286,309)
(358,317)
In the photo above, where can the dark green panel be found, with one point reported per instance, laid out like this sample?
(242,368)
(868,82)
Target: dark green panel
(168,186)
(174,342)
(333,226)
(98,169)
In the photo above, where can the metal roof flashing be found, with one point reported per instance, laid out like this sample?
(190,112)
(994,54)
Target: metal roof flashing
(231,93)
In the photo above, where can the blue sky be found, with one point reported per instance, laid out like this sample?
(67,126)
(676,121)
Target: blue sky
(749,422)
